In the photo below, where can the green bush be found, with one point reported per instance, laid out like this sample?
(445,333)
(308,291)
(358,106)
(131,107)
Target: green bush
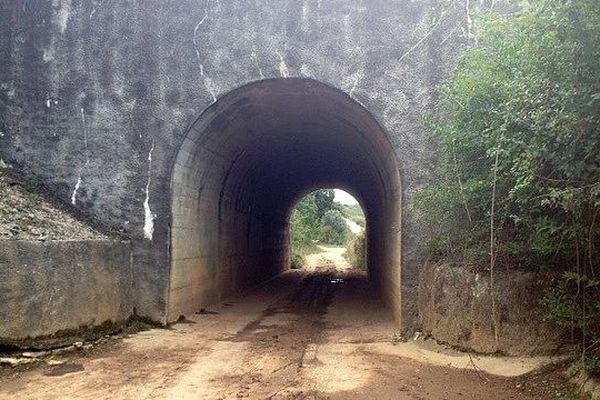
(297,261)
(574,305)
(334,229)
(528,97)
(518,127)
(356,251)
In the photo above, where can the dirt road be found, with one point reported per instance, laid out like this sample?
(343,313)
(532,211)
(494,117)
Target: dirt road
(317,334)
(327,258)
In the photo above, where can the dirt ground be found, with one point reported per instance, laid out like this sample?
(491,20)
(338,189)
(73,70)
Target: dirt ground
(327,257)
(319,333)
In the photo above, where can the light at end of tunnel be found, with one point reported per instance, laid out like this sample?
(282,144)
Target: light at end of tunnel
(344,197)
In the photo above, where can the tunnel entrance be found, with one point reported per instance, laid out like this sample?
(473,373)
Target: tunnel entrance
(245,163)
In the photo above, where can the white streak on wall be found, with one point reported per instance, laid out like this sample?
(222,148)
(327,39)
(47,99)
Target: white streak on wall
(48,53)
(195,37)
(305,71)
(206,80)
(255,59)
(63,13)
(319,21)
(148,214)
(305,16)
(87,159)
(347,27)
(283,68)
(432,29)
(74,194)
(96,6)
(469,20)
(357,78)
(210,87)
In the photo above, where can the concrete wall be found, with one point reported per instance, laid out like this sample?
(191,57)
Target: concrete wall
(49,287)
(96,97)
(455,307)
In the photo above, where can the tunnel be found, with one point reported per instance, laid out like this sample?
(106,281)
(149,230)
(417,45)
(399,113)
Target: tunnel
(244,164)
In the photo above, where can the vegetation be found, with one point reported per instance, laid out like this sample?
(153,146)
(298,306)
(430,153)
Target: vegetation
(354,213)
(356,251)
(518,125)
(316,219)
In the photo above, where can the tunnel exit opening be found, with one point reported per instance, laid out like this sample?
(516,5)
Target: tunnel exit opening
(243,165)
(328,232)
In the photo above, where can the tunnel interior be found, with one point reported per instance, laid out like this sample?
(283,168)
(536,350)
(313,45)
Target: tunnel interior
(245,163)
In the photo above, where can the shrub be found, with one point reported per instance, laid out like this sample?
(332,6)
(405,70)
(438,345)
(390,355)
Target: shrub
(297,261)
(518,127)
(356,251)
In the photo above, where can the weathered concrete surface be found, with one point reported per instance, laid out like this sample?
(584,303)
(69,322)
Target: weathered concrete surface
(49,287)
(96,97)
(455,307)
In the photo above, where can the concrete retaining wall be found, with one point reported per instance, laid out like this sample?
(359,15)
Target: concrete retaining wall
(52,287)
(455,307)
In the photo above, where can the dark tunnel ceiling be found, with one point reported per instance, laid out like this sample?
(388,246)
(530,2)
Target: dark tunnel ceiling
(286,143)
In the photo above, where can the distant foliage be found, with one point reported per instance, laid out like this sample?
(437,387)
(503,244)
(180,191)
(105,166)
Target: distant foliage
(334,229)
(356,251)
(324,201)
(317,219)
(305,229)
(521,114)
(354,213)
(297,261)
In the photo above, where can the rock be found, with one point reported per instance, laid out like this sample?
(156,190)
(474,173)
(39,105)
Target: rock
(54,362)
(34,354)
(78,345)
(16,361)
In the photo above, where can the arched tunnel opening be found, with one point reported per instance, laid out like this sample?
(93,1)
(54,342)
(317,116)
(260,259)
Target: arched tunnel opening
(245,163)
(327,229)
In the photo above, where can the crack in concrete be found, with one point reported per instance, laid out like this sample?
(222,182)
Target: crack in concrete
(207,81)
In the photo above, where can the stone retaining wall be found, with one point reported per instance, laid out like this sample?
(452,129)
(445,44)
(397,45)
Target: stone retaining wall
(49,288)
(455,308)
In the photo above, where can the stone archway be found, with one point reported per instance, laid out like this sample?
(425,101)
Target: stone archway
(243,165)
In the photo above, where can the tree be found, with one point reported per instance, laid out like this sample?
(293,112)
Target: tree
(304,229)
(335,229)
(324,201)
